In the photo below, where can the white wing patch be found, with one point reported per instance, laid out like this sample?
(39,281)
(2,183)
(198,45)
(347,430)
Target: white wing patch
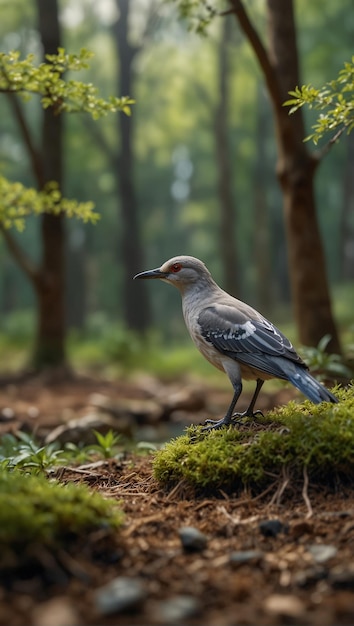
(248,330)
(242,331)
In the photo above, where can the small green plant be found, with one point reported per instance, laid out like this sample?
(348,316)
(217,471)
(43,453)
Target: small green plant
(326,366)
(318,439)
(106,444)
(23,452)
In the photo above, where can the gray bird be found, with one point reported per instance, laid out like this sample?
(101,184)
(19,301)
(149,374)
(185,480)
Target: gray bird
(234,337)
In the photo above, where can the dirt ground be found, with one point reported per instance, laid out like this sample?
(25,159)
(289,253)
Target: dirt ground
(299,570)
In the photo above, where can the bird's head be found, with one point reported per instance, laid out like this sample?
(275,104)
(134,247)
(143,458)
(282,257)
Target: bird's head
(180,271)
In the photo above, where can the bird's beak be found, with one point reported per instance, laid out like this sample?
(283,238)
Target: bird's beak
(151,274)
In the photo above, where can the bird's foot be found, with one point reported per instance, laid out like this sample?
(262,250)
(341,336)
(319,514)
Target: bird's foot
(238,417)
(216,424)
(235,420)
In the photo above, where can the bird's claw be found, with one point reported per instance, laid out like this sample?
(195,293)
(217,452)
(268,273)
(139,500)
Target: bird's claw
(237,417)
(235,420)
(215,424)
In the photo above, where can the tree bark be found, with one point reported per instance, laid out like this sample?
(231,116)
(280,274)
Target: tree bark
(261,234)
(227,239)
(346,244)
(50,283)
(296,169)
(136,305)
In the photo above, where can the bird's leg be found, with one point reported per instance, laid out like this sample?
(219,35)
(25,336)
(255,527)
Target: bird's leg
(226,420)
(250,410)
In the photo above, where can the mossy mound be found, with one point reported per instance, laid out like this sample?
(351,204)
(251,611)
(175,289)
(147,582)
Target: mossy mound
(36,511)
(297,437)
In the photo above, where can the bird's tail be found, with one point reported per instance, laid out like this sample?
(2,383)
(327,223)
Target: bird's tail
(310,387)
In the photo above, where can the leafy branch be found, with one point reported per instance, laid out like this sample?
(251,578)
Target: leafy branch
(18,202)
(335,99)
(23,77)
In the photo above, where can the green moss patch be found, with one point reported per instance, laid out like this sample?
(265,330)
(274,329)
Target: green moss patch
(36,511)
(297,437)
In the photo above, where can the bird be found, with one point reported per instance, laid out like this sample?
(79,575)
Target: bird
(234,337)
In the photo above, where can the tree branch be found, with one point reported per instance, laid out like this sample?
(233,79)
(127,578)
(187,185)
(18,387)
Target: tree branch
(260,51)
(320,154)
(20,257)
(32,150)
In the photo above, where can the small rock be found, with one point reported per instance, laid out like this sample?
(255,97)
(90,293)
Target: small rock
(284,606)
(272,527)
(177,609)
(122,594)
(192,539)
(342,577)
(309,576)
(321,552)
(245,556)
(7,414)
(33,412)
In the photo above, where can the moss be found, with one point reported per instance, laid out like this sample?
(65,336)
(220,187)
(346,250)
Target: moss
(319,438)
(34,510)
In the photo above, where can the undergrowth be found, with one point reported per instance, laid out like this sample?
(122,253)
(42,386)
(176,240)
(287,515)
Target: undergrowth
(38,514)
(298,438)
(23,452)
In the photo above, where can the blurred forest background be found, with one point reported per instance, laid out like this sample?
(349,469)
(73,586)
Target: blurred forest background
(191,171)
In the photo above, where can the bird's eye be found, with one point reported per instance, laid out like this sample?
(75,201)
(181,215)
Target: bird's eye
(176,267)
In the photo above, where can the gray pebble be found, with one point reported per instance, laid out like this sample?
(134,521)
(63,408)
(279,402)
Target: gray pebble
(342,577)
(177,609)
(272,527)
(192,539)
(245,556)
(309,576)
(119,595)
(321,552)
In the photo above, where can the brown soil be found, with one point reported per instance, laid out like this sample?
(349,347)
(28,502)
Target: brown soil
(284,584)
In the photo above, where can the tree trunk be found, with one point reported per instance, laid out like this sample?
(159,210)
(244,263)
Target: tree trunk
(228,246)
(295,169)
(261,234)
(50,339)
(346,245)
(136,306)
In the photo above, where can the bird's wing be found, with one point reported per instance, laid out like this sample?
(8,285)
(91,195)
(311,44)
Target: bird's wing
(253,341)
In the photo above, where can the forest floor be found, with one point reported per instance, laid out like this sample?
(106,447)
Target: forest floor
(294,569)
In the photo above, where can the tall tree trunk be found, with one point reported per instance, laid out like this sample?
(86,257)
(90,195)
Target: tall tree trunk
(136,306)
(346,244)
(295,169)
(261,235)
(227,239)
(50,339)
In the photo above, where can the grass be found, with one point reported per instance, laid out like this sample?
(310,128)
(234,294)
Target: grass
(318,439)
